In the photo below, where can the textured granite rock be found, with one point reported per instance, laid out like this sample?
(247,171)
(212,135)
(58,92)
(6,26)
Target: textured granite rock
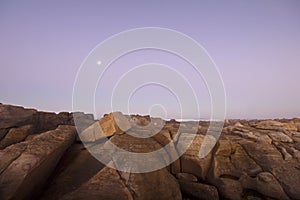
(26,166)
(255,159)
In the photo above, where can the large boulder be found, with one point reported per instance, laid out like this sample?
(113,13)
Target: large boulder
(271,160)
(164,138)
(14,116)
(113,123)
(190,160)
(15,135)
(150,185)
(3,132)
(229,162)
(112,184)
(26,166)
(264,183)
(280,137)
(199,190)
(106,184)
(71,172)
(276,125)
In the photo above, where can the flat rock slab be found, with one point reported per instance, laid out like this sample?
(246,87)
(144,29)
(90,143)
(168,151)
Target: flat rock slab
(106,184)
(71,172)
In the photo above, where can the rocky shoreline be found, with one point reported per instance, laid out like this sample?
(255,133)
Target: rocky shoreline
(42,157)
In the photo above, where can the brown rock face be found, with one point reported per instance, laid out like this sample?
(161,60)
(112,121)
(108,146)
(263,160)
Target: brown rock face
(276,125)
(25,166)
(76,167)
(199,190)
(107,184)
(111,184)
(266,184)
(3,132)
(141,120)
(152,184)
(251,160)
(14,116)
(113,123)
(190,160)
(15,135)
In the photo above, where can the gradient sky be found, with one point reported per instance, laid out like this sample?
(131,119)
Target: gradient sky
(255,44)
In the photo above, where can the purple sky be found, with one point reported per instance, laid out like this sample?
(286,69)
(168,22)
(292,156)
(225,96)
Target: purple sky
(255,44)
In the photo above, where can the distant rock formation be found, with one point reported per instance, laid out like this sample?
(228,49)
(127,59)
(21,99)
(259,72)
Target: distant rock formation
(42,157)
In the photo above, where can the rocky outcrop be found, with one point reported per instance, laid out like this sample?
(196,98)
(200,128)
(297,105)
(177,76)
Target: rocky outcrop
(15,135)
(113,184)
(113,123)
(17,123)
(107,184)
(15,116)
(199,190)
(40,158)
(25,166)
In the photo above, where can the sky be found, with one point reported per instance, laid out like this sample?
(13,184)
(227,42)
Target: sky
(255,45)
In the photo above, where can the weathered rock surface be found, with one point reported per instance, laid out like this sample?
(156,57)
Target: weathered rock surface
(107,184)
(25,166)
(199,190)
(15,135)
(76,167)
(111,184)
(113,123)
(16,123)
(14,116)
(255,159)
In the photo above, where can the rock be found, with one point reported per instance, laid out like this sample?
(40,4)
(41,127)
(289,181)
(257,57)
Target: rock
(148,162)
(49,121)
(186,177)
(275,125)
(271,160)
(230,161)
(283,151)
(264,139)
(140,120)
(152,185)
(14,116)
(290,126)
(199,190)
(82,121)
(26,166)
(230,189)
(148,185)
(248,135)
(251,160)
(298,126)
(238,124)
(164,138)
(280,137)
(113,123)
(72,172)
(264,183)
(107,184)
(145,185)
(3,132)
(92,133)
(190,160)
(15,135)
